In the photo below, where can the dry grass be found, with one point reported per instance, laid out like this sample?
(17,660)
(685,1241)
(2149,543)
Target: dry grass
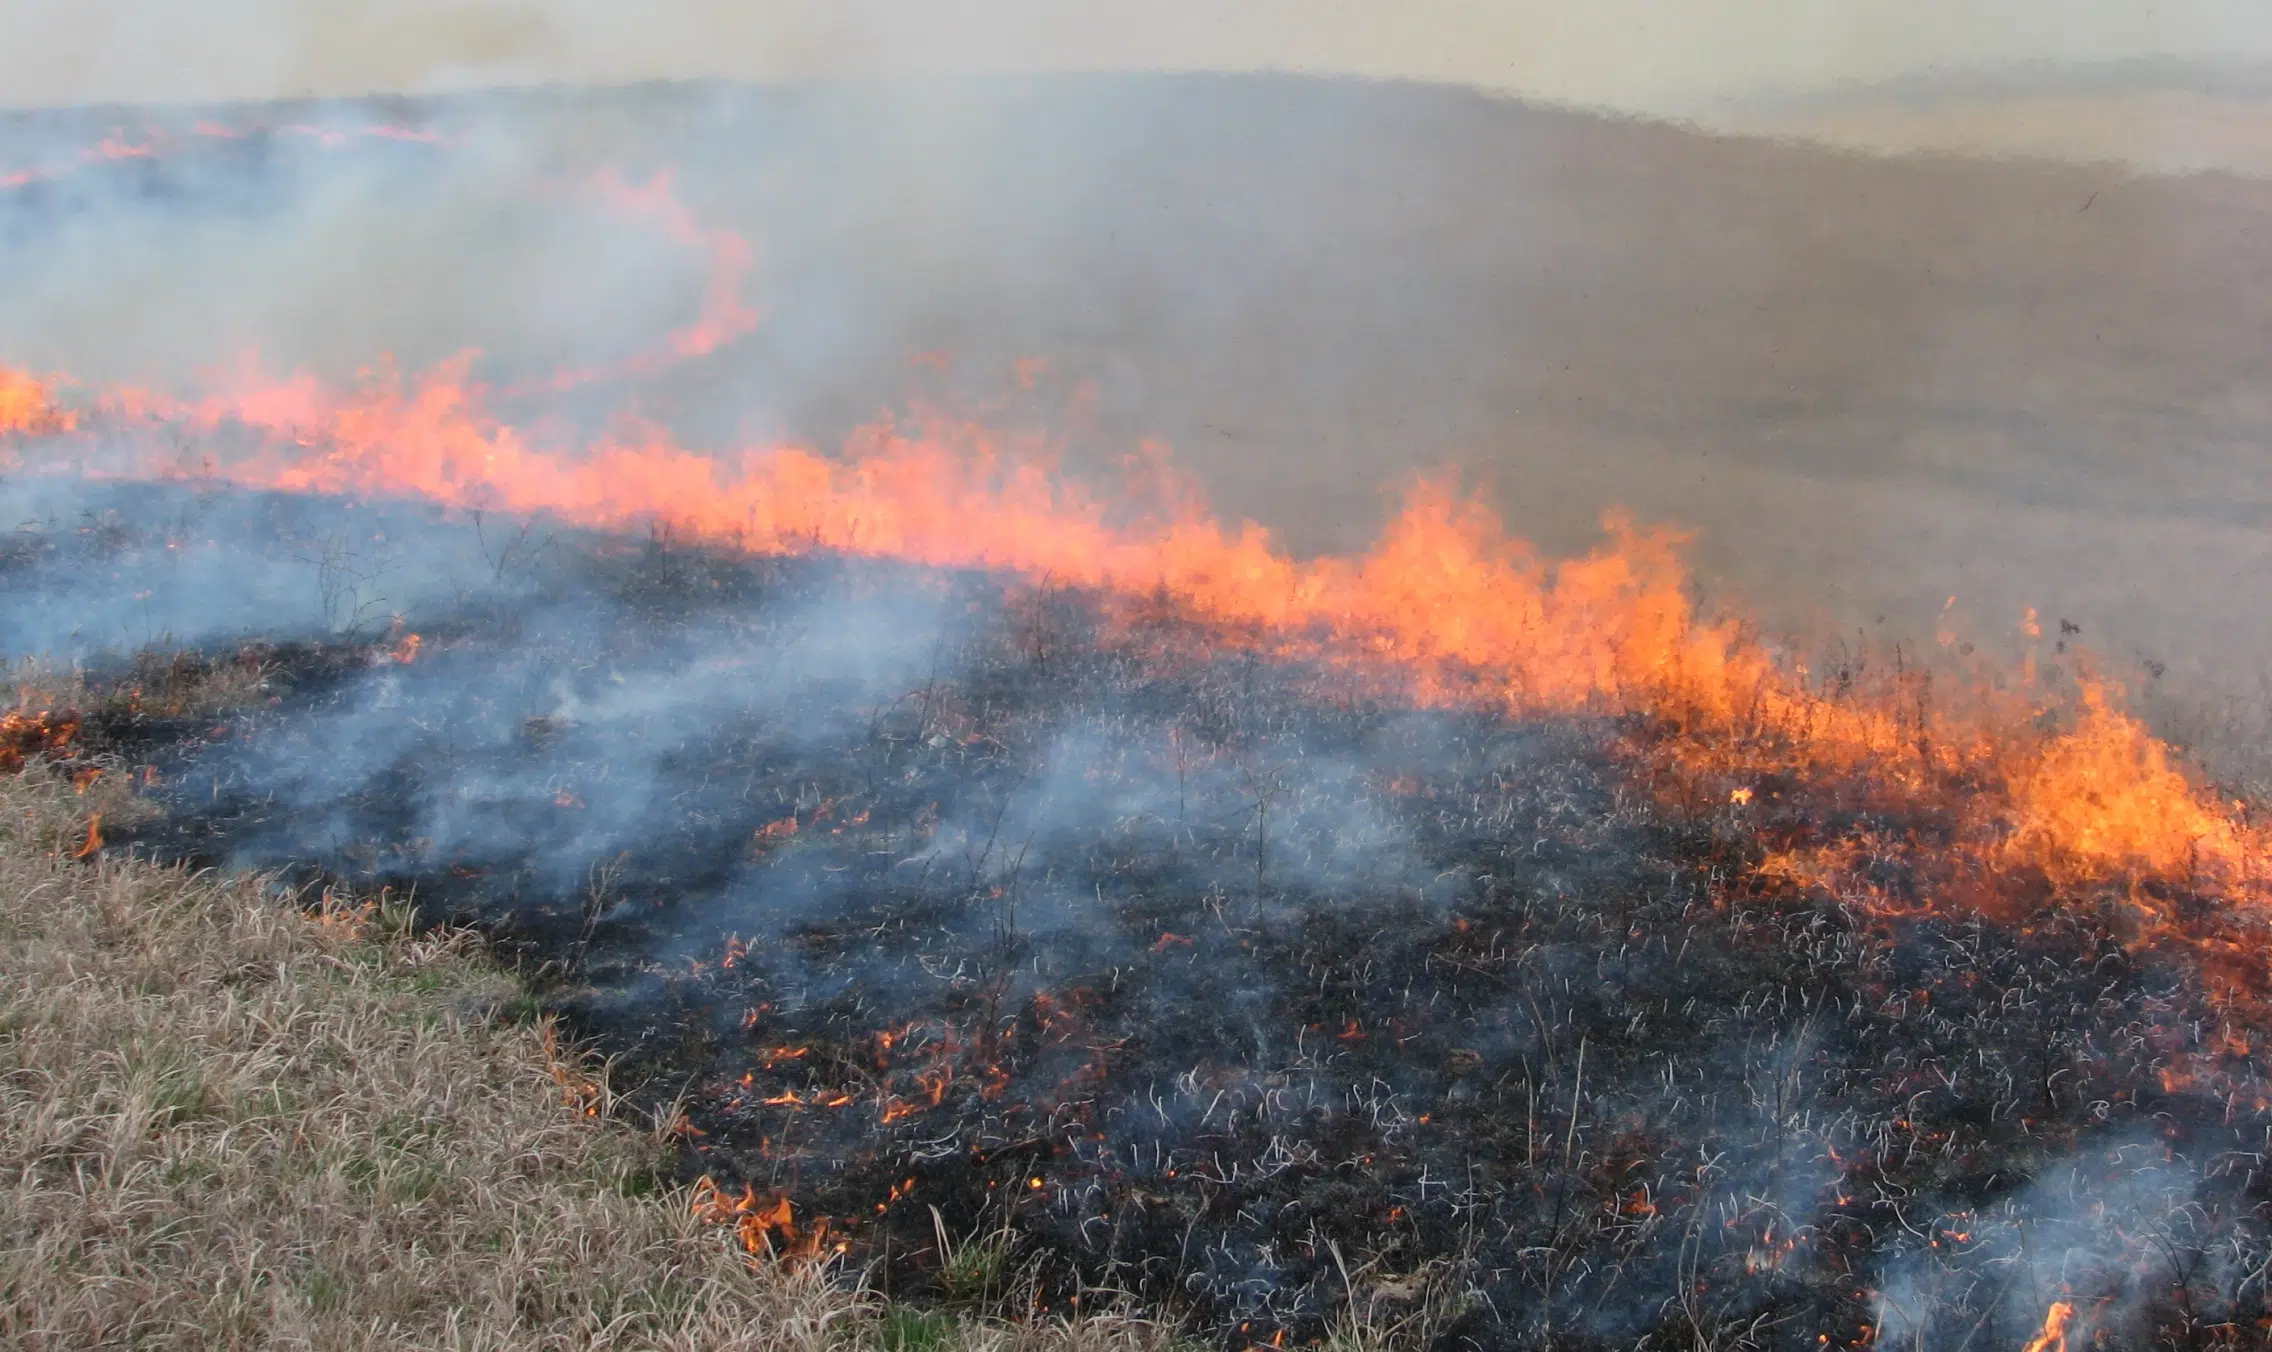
(226,1122)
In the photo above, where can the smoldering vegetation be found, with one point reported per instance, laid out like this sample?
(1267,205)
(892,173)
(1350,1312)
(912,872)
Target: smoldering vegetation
(1050,949)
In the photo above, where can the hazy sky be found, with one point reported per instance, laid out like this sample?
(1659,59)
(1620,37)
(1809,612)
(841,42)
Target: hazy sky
(1652,54)
(1677,57)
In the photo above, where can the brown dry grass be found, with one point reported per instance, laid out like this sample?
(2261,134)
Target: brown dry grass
(226,1122)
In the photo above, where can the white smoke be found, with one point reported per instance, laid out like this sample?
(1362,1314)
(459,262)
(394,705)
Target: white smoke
(1639,55)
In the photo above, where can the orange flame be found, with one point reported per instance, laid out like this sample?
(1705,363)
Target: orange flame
(1463,611)
(764,1226)
(2053,1338)
(94,843)
(25,736)
(28,407)
(724,316)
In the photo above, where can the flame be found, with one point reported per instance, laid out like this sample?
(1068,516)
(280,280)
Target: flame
(1447,605)
(2053,1338)
(578,1090)
(151,143)
(2104,798)
(1457,609)
(28,407)
(763,1225)
(724,316)
(25,736)
(94,843)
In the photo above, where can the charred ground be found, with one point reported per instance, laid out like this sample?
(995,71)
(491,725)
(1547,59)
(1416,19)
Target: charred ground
(1049,947)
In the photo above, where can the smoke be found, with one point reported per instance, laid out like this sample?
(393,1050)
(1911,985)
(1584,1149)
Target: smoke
(223,247)
(2118,1234)
(1867,386)
(1633,54)
(548,761)
(96,572)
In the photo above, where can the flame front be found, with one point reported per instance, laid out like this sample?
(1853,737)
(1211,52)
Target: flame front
(1447,603)
(1462,611)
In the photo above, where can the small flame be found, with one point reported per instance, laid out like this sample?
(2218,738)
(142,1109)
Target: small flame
(2053,1338)
(24,736)
(763,1225)
(577,1089)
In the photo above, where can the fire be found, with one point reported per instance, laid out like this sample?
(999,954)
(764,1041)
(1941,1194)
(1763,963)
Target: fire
(724,316)
(1466,613)
(763,1225)
(2053,1338)
(2104,798)
(1448,605)
(28,407)
(578,1090)
(27,736)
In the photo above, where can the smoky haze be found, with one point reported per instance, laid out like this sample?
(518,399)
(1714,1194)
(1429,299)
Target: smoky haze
(1632,54)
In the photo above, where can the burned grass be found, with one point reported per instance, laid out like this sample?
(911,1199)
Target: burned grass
(1032,945)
